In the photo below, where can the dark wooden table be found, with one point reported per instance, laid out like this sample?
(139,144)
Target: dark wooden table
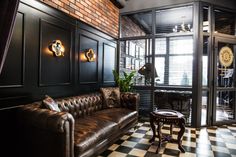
(165,116)
(174,100)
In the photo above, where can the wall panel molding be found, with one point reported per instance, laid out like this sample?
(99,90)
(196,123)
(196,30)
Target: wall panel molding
(88,71)
(52,74)
(8,17)
(109,62)
(32,72)
(16,55)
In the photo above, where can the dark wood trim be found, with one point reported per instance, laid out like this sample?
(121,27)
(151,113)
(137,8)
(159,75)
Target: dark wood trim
(86,83)
(83,26)
(104,60)
(23,58)
(40,53)
(23,51)
(10,108)
(79,60)
(13,95)
(8,22)
(56,13)
(10,100)
(12,86)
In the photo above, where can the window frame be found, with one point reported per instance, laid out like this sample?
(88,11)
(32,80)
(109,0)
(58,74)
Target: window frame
(167,56)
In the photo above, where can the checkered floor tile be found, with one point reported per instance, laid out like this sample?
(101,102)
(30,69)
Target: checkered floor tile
(204,142)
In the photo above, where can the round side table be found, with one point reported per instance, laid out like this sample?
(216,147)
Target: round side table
(165,116)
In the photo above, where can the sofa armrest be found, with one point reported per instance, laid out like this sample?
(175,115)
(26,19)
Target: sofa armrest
(130,100)
(49,133)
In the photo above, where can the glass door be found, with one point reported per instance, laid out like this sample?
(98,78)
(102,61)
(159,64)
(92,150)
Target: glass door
(224,81)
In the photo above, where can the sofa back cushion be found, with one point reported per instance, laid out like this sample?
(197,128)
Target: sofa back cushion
(111,97)
(80,106)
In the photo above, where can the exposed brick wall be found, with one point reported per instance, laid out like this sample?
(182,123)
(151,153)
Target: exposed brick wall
(129,28)
(101,14)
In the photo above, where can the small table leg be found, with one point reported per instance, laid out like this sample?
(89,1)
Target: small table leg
(180,134)
(159,136)
(153,128)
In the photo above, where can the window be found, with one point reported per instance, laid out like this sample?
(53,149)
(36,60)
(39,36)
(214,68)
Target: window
(160,46)
(174,20)
(180,70)
(174,67)
(205,23)
(205,62)
(134,55)
(160,68)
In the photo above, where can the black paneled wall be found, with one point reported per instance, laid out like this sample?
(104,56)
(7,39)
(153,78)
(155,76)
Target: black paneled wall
(31,70)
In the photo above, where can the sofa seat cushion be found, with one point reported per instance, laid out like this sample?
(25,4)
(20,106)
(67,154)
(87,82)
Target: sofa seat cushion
(90,130)
(122,116)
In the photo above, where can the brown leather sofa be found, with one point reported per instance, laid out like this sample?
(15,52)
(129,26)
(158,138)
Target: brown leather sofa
(82,129)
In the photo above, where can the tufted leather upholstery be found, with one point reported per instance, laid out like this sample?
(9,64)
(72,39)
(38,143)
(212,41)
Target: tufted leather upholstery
(83,128)
(130,100)
(81,106)
(49,120)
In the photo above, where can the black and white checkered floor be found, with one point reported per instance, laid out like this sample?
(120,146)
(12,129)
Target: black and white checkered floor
(204,142)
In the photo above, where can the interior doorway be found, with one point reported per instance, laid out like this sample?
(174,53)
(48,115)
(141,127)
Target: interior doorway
(223,81)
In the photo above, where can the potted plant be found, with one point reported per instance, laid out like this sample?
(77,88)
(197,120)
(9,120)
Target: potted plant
(125,83)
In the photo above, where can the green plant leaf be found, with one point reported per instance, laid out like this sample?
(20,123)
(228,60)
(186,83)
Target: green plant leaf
(125,83)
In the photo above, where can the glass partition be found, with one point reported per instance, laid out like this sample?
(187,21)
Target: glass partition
(139,24)
(206,26)
(174,67)
(174,20)
(173,38)
(135,56)
(205,62)
(224,22)
(225,65)
(205,95)
(225,106)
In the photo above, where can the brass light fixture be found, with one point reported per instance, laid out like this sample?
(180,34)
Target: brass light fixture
(57,48)
(88,55)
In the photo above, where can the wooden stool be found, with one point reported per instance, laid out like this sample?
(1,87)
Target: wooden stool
(165,116)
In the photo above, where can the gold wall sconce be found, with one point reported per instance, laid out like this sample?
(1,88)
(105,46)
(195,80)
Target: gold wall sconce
(57,48)
(88,56)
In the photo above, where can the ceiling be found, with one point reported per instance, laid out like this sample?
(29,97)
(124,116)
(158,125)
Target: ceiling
(164,18)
